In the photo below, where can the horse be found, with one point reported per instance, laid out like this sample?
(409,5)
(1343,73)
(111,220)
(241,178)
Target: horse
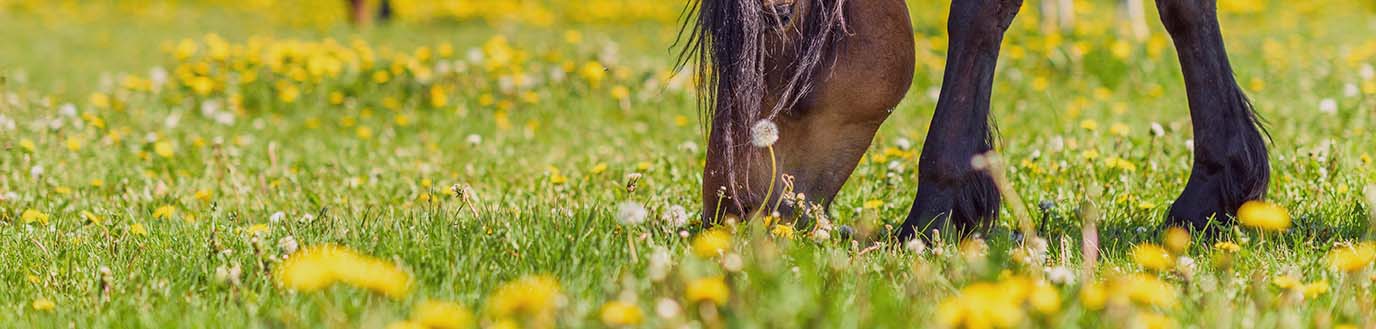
(825,74)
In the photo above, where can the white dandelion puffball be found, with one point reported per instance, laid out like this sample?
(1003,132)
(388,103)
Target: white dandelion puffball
(676,216)
(764,133)
(631,213)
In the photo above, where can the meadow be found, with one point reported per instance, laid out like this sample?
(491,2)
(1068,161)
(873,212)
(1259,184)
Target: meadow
(509,164)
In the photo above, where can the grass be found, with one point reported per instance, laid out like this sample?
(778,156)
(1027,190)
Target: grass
(1075,113)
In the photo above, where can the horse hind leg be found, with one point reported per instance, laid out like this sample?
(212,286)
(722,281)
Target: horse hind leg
(951,193)
(1230,163)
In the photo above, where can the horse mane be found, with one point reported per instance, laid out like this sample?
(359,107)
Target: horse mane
(725,42)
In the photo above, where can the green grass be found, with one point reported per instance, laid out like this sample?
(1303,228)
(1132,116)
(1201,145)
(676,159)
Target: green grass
(334,186)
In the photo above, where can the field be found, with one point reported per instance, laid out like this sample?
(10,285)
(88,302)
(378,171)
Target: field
(538,164)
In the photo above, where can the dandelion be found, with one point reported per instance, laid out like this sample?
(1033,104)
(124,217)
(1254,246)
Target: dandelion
(676,216)
(435,314)
(1148,290)
(1315,289)
(1264,215)
(1177,240)
(631,213)
(138,229)
(666,308)
(30,216)
(709,289)
(163,149)
(1352,258)
(764,133)
(164,212)
(711,243)
(1149,320)
(1285,282)
(318,267)
(620,314)
(782,231)
(535,296)
(43,304)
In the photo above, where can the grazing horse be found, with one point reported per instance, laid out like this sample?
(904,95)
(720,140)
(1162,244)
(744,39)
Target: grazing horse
(828,73)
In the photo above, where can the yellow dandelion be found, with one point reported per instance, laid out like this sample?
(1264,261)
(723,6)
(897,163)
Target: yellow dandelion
(1285,282)
(782,231)
(138,229)
(1148,320)
(164,212)
(711,243)
(30,216)
(1177,240)
(163,149)
(709,289)
(1315,289)
(43,304)
(1352,258)
(620,314)
(1264,215)
(1227,246)
(535,296)
(1152,257)
(442,315)
(1148,290)
(256,229)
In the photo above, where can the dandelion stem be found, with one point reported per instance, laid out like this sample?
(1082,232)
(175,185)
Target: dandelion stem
(773,173)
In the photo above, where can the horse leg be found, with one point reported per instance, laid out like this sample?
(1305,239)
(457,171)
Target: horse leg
(950,190)
(1230,165)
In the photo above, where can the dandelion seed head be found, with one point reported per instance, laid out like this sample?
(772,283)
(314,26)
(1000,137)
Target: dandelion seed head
(631,213)
(764,133)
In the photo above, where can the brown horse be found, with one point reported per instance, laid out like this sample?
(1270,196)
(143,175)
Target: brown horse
(828,73)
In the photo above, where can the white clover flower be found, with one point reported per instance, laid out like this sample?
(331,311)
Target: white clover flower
(631,213)
(764,133)
(675,217)
(821,235)
(1157,130)
(732,262)
(36,171)
(660,264)
(1351,90)
(277,217)
(915,246)
(474,139)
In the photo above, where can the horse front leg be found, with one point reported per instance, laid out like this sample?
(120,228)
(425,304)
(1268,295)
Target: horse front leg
(1230,164)
(951,193)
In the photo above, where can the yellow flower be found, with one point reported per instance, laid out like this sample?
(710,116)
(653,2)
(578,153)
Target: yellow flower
(318,267)
(442,315)
(91,217)
(1285,282)
(164,212)
(43,304)
(1045,299)
(1315,289)
(163,149)
(711,243)
(1094,296)
(1177,240)
(1352,258)
(709,289)
(782,231)
(29,216)
(1264,215)
(202,196)
(27,145)
(982,305)
(1227,246)
(1148,290)
(873,204)
(405,325)
(256,229)
(137,229)
(533,296)
(1148,320)
(618,314)
(1152,257)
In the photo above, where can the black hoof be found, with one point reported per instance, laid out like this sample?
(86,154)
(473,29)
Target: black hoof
(958,206)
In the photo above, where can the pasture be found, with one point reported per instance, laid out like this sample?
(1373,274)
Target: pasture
(537,164)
